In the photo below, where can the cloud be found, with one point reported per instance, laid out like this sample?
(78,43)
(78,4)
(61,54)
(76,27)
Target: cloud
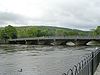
(79,14)
(11,18)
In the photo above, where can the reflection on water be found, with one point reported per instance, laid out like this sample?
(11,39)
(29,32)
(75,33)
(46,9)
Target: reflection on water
(39,60)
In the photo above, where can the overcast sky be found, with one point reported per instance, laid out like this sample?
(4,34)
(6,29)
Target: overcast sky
(79,14)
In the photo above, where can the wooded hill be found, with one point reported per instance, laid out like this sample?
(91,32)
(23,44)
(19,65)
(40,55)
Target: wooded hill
(41,31)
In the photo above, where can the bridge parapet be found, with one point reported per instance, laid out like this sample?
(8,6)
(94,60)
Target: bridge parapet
(60,37)
(79,40)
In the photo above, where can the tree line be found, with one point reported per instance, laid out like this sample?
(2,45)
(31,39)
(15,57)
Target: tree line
(10,32)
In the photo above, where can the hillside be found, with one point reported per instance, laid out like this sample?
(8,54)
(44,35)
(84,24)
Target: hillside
(39,31)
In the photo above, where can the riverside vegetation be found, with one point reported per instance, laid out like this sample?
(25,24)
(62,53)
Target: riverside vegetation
(10,32)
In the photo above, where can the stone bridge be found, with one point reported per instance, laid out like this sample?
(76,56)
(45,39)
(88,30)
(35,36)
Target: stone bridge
(60,40)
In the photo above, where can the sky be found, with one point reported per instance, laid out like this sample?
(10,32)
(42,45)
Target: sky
(75,14)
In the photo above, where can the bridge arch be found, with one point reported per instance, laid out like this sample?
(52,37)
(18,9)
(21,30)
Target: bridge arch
(93,42)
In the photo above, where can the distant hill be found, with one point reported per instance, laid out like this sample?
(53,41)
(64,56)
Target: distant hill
(32,31)
(40,31)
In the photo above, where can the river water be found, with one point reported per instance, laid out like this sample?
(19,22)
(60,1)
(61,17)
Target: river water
(40,60)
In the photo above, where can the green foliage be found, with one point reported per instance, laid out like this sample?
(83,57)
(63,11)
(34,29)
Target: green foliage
(8,32)
(4,35)
(41,31)
(97,31)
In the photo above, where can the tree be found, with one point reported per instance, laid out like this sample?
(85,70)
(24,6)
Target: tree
(11,31)
(38,33)
(93,32)
(97,30)
(4,35)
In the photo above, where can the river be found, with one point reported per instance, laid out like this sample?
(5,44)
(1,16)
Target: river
(40,60)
